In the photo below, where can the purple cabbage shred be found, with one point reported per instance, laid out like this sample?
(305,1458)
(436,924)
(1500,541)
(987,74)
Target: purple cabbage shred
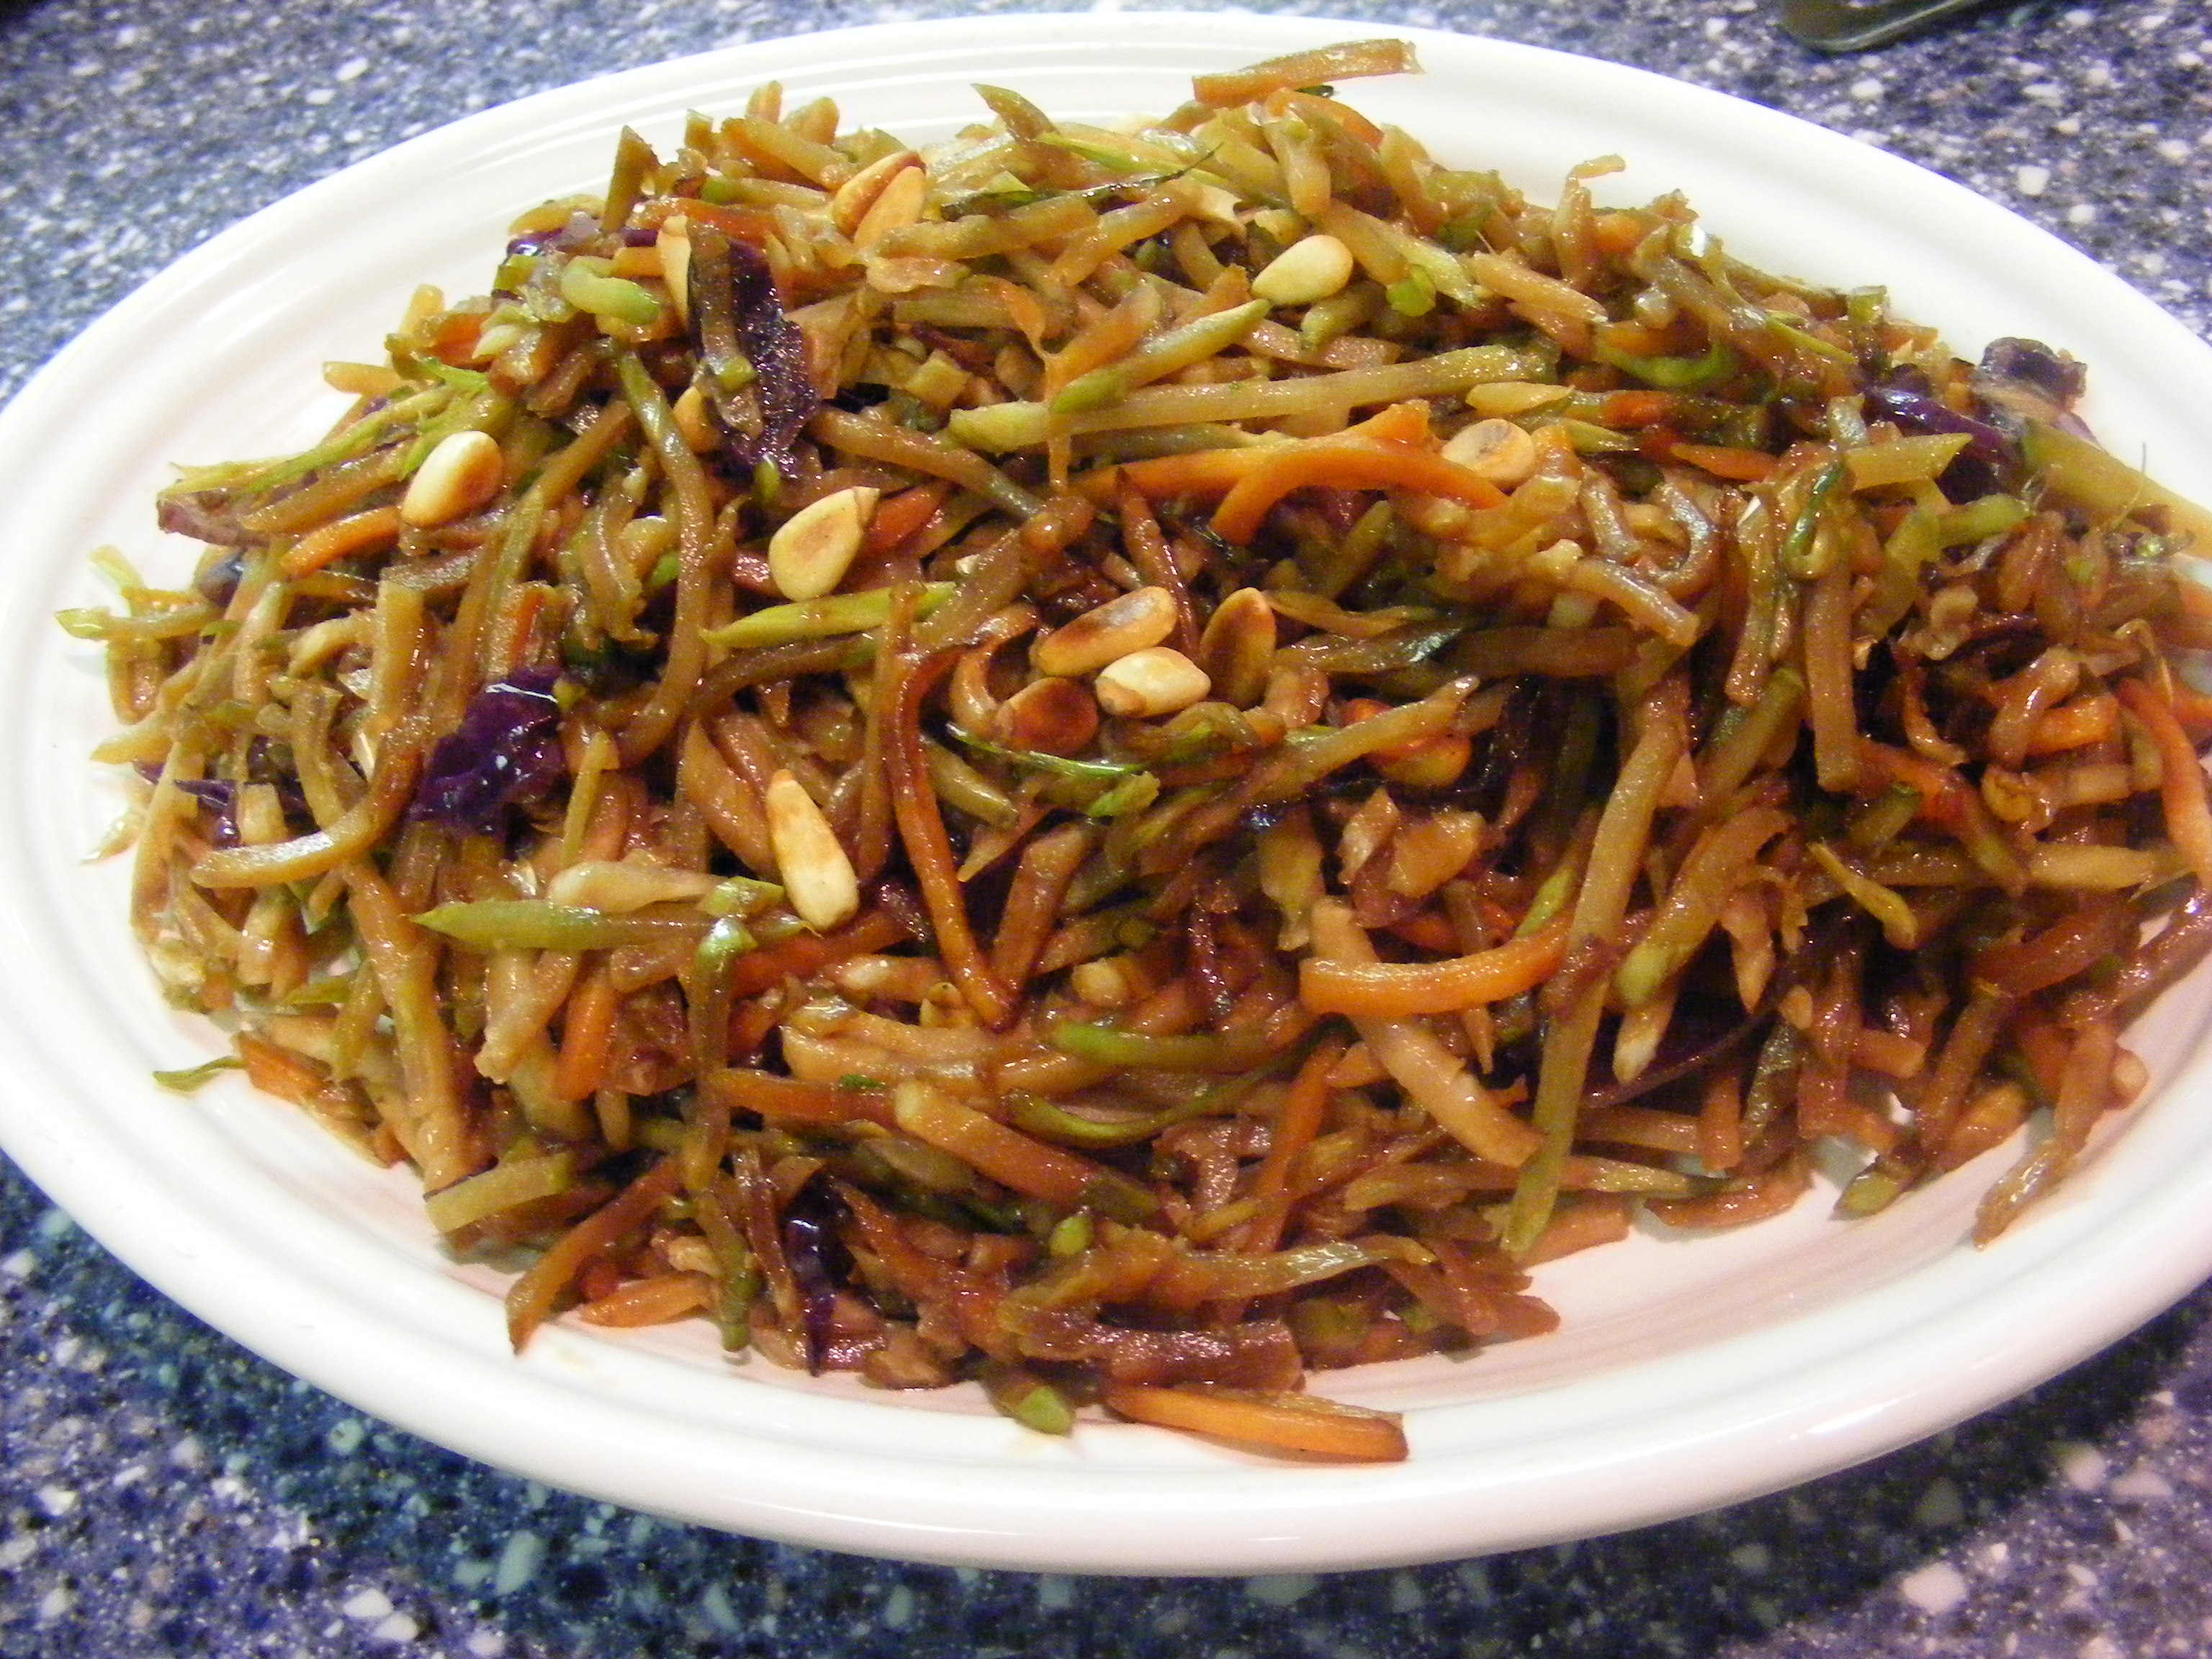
(1904,397)
(220,799)
(577,232)
(205,515)
(2019,381)
(816,1256)
(218,581)
(507,752)
(773,345)
(2031,363)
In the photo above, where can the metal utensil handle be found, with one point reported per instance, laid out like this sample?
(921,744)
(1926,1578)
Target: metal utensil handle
(1839,25)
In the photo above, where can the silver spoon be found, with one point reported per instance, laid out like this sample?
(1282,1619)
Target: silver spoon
(1855,25)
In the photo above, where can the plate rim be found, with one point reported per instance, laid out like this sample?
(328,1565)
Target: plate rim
(787,1503)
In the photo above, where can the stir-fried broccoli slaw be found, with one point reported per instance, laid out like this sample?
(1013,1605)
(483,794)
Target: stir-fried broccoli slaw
(1130,763)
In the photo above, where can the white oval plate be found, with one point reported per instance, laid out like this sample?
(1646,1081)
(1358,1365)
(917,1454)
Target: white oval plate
(1689,1373)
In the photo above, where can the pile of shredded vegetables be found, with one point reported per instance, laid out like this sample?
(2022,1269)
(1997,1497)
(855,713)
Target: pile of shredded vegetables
(1129,763)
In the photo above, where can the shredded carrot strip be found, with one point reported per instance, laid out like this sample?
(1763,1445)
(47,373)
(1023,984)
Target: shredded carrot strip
(774,1096)
(2181,782)
(1202,472)
(586,1035)
(804,954)
(1007,1156)
(1745,465)
(530,1299)
(650,1301)
(1295,1126)
(921,827)
(1397,989)
(334,540)
(1346,465)
(899,516)
(1289,1422)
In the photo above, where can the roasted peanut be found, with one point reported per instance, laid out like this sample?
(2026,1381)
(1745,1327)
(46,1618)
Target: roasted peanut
(812,865)
(1239,646)
(1111,630)
(1052,715)
(1312,268)
(895,207)
(1494,449)
(812,550)
(463,472)
(1157,680)
(850,205)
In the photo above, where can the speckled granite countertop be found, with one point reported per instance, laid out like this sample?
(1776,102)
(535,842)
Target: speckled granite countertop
(163,1493)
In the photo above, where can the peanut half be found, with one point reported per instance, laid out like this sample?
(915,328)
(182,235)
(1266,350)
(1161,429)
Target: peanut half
(1106,632)
(1157,680)
(1494,449)
(463,473)
(1051,716)
(1239,646)
(812,550)
(1312,268)
(809,861)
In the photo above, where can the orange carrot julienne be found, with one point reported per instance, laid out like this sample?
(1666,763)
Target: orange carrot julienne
(339,538)
(2193,708)
(804,954)
(1288,1422)
(1400,423)
(653,1301)
(899,516)
(1347,466)
(1617,233)
(1214,472)
(2074,725)
(532,1296)
(751,225)
(279,1071)
(787,1099)
(2181,785)
(1295,1126)
(1625,408)
(1726,461)
(1289,101)
(1397,989)
(921,827)
(1206,472)
(586,1035)
(1007,1156)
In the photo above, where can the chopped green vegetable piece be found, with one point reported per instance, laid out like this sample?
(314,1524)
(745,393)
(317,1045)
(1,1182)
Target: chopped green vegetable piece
(1873,1188)
(1799,549)
(540,925)
(586,285)
(1101,789)
(1672,374)
(2075,469)
(741,895)
(1027,1398)
(1228,1052)
(816,619)
(190,1078)
(1992,515)
(1070,1235)
(1413,294)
